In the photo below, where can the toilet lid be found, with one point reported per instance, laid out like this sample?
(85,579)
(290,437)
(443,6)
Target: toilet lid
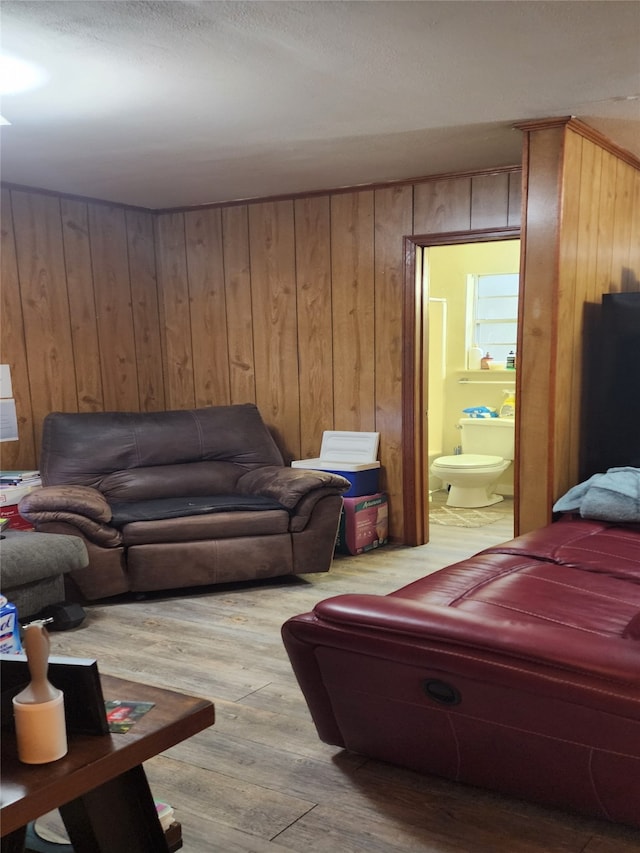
(470,460)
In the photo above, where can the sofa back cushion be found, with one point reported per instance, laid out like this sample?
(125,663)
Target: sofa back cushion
(188,479)
(89,448)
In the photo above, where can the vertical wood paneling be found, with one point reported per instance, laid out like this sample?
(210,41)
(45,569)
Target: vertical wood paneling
(414,405)
(315,345)
(622,235)
(175,317)
(490,201)
(537,329)
(353,310)
(273,295)
(82,306)
(144,308)
(441,206)
(393,220)
(112,293)
(606,208)
(45,305)
(208,307)
(570,267)
(570,327)
(514,215)
(585,263)
(587,248)
(311,287)
(13,350)
(237,275)
(179,315)
(632,278)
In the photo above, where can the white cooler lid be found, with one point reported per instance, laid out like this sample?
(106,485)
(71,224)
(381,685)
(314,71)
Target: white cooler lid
(349,446)
(344,451)
(322,465)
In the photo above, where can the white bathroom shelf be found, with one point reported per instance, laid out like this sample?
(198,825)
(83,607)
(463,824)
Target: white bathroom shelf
(499,380)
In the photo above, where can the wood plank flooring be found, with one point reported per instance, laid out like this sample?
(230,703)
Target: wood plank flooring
(260,780)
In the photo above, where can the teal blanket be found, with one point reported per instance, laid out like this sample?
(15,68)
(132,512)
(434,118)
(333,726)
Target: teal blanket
(613,496)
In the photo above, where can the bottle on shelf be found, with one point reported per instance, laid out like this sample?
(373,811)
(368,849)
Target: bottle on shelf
(474,357)
(508,407)
(485,362)
(511,361)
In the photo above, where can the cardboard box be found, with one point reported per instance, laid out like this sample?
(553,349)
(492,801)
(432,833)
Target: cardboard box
(10,496)
(364,524)
(352,455)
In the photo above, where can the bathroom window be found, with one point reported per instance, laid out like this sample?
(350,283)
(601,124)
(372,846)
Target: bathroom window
(494,305)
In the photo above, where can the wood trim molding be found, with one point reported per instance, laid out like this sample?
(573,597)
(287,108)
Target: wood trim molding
(413,533)
(22,188)
(481,235)
(598,138)
(569,122)
(413,362)
(382,185)
(542,123)
(585,130)
(444,176)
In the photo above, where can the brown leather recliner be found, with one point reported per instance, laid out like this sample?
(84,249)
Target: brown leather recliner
(175,499)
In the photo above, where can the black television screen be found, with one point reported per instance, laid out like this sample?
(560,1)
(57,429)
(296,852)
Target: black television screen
(612,385)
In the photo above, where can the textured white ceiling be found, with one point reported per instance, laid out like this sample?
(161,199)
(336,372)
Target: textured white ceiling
(167,104)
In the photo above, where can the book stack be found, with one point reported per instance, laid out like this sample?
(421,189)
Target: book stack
(165,815)
(14,485)
(170,826)
(20,478)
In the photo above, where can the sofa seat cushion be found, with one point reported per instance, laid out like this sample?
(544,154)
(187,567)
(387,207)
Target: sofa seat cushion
(125,512)
(215,525)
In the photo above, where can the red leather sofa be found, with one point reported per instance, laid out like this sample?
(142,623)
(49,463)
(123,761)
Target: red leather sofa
(516,670)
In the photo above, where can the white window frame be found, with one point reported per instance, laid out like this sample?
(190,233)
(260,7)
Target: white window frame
(472,310)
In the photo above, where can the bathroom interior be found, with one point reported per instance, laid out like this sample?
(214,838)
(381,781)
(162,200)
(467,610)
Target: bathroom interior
(454,380)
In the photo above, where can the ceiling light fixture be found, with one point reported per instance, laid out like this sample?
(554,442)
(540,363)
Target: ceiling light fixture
(18,75)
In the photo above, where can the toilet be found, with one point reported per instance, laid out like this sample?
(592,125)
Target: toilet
(487,451)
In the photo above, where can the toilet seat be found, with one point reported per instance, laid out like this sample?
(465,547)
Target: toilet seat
(469,461)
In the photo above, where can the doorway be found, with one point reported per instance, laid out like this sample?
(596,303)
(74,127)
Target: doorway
(419,311)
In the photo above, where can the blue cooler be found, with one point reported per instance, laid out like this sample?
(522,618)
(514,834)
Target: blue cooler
(350,454)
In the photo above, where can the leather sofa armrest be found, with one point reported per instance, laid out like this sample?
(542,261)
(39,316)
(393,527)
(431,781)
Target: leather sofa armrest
(81,500)
(290,486)
(81,506)
(417,622)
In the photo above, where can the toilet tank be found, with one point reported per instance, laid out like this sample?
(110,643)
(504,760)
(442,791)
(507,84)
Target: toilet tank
(490,436)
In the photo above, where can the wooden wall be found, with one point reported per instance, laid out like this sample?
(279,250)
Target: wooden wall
(294,304)
(581,238)
(80,326)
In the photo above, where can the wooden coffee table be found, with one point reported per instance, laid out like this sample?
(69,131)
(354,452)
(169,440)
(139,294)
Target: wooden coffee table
(100,787)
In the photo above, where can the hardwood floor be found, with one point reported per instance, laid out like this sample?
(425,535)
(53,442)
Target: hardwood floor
(260,780)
